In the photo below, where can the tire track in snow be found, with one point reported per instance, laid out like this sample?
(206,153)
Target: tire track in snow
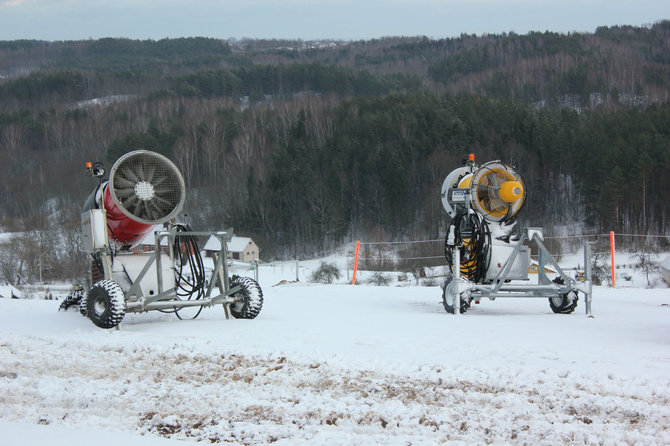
(210,396)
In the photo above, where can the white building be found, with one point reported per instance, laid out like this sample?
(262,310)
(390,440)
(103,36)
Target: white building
(665,270)
(239,248)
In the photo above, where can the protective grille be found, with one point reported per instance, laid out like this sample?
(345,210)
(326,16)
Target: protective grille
(486,184)
(147,187)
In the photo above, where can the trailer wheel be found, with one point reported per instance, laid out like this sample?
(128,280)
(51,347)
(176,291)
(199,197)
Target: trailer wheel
(563,303)
(106,304)
(82,305)
(73,299)
(250,298)
(448,301)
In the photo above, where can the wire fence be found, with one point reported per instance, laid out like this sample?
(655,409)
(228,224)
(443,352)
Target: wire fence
(409,256)
(601,243)
(419,255)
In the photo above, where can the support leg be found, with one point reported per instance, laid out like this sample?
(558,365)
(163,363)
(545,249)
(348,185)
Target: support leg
(587,276)
(456,273)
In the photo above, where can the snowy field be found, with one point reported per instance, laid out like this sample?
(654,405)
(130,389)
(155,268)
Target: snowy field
(341,364)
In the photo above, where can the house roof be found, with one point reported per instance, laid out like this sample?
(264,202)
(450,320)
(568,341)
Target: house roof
(150,239)
(235,244)
(8,291)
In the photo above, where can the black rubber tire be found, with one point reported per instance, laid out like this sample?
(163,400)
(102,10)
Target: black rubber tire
(251,298)
(106,304)
(82,305)
(449,307)
(73,299)
(564,303)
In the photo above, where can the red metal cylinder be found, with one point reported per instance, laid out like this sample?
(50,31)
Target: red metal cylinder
(122,228)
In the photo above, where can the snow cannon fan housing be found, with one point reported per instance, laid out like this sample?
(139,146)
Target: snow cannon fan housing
(498,192)
(494,190)
(145,189)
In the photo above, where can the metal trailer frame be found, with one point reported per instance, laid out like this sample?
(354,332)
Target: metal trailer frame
(500,288)
(166,299)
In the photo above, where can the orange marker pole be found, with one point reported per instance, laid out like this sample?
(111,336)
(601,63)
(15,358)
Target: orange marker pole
(612,252)
(358,246)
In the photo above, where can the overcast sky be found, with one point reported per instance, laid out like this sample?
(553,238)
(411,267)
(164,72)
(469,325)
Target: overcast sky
(313,19)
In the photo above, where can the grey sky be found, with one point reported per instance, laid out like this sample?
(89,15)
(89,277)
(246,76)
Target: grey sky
(312,19)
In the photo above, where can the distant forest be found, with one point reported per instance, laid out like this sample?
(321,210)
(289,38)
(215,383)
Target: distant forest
(306,145)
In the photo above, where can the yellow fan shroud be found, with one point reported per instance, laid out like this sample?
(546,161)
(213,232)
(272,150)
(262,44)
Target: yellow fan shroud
(497,191)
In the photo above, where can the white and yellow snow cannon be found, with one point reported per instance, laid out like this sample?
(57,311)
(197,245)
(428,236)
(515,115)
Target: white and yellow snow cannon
(486,252)
(144,193)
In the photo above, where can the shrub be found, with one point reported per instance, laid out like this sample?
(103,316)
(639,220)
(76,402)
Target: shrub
(648,267)
(600,272)
(326,273)
(380,279)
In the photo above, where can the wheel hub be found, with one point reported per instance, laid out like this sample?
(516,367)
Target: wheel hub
(449,294)
(99,306)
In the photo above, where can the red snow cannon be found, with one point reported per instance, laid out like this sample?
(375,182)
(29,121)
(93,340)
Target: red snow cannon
(144,189)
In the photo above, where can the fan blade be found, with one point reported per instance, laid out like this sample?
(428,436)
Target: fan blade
(140,171)
(161,200)
(150,173)
(130,201)
(164,191)
(159,181)
(138,207)
(497,205)
(157,210)
(496,179)
(123,182)
(147,211)
(129,174)
(125,192)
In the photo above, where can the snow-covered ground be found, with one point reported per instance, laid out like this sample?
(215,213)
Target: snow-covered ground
(342,364)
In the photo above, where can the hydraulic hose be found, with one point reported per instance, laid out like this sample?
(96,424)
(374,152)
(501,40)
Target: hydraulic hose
(472,235)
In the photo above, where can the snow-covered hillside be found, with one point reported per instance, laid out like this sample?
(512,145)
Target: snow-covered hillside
(342,364)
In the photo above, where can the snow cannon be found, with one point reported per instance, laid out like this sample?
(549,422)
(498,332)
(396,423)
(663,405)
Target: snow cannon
(144,193)
(497,191)
(487,254)
(144,189)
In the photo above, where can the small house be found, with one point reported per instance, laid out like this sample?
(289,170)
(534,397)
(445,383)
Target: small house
(239,248)
(148,244)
